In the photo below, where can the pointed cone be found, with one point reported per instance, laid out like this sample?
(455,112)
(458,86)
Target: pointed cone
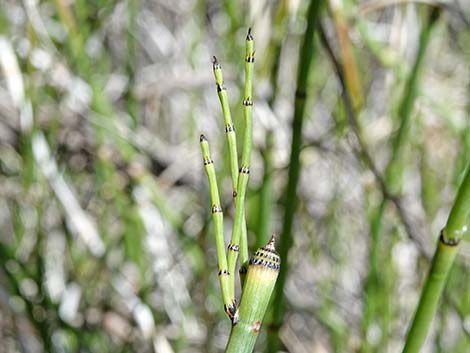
(259,285)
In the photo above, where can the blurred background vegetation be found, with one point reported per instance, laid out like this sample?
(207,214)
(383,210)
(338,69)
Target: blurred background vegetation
(106,243)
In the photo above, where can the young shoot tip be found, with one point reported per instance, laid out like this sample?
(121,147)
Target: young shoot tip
(215,63)
(249,36)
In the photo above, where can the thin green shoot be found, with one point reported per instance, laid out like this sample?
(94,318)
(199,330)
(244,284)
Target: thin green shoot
(307,53)
(456,228)
(234,245)
(218,219)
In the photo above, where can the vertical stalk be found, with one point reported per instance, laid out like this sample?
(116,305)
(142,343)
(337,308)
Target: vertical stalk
(232,145)
(218,219)
(394,170)
(229,127)
(457,226)
(247,143)
(305,60)
(234,245)
(393,179)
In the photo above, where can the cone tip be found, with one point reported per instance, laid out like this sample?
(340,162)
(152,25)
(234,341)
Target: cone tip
(202,138)
(271,245)
(249,36)
(215,63)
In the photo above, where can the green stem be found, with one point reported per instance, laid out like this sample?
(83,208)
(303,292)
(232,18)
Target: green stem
(393,182)
(394,170)
(305,60)
(234,245)
(218,219)
(259,285)
(457,225)
(232,146)
(247,142)
(229,127)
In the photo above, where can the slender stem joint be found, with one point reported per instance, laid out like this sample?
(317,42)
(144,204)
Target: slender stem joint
(456,227)
(239,234)
(218,219)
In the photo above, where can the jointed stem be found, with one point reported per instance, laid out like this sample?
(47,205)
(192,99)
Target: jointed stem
(245,164)
(229,127)
(239,176)
(218,219)
(232,146)
(457,226)
(393,178)
(259,284)
(247,141)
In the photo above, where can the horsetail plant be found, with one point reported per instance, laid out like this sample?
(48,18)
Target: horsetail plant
(259,284)
(218,219)
(306,57)
(456,228)
(259,274)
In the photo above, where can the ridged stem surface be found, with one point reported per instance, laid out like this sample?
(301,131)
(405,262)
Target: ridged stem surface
(456,227)
(259,285)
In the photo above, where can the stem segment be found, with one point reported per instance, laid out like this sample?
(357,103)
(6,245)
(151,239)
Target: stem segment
(393,178)
(456,227)
(259,284)
(234,245)
(305,61)
(218,219)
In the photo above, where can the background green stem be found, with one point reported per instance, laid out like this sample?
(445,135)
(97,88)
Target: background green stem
(457,225)
(307,53)
(376,283)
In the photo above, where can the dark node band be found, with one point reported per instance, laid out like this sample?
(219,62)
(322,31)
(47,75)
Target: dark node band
(215,63)
(448,242)
(234,194)
(268,256)
(245,170)
(233,247)
(248,102)
(268,250)
(232,312)
(220,88)
(250,59)
(224,272)
(229,128)
(255,261)
(249,36)
(216,209)
(208,161)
